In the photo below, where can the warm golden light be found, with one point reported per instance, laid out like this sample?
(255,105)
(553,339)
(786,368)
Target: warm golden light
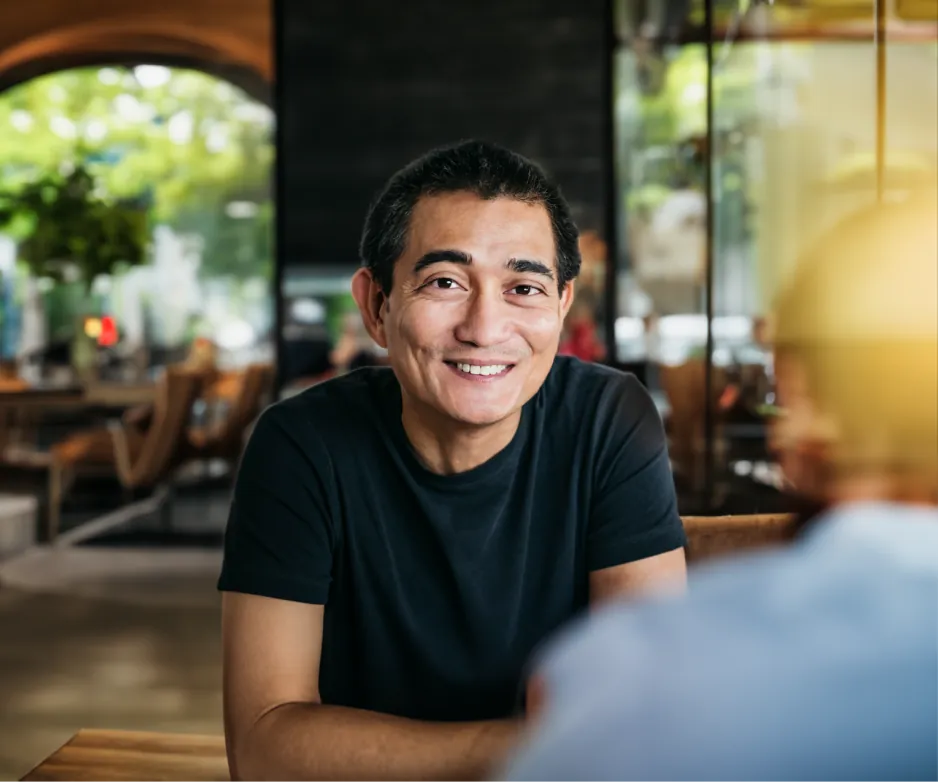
(93,328)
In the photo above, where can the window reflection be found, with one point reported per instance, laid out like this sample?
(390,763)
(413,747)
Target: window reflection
(662,121)
(791,150)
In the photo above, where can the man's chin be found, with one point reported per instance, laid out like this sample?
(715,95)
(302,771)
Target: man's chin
(474,404)
(476,415)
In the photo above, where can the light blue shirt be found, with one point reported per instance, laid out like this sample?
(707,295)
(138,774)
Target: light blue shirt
(819,661)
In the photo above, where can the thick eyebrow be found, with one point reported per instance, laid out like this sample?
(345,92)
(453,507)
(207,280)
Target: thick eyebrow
(522,266)
(442,256)
(518,265)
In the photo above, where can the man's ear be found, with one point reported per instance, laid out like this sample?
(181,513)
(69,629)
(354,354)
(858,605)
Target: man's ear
(370,299)
(566,298)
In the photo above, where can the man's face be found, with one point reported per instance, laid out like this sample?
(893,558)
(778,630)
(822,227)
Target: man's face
(797,440)
(473,320)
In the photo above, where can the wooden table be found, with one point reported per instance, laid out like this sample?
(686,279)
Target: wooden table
(16,404)
(124,755)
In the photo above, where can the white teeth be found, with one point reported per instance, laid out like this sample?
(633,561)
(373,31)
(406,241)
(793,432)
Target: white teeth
(475,369)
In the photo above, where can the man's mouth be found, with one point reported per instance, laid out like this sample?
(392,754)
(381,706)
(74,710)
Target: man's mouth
(479,371)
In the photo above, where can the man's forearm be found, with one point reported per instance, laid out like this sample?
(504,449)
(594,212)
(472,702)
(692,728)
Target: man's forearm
(312,741)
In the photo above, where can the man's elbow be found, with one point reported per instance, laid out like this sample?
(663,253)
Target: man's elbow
(246,757)
(251,754)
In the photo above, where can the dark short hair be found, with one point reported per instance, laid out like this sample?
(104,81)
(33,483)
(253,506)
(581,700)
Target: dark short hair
(485,169)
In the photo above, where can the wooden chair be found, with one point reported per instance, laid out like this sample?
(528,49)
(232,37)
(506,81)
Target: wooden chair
(140,458)
(686,388)
(225,439)
(709,537)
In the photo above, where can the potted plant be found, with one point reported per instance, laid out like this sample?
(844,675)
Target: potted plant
(69,232)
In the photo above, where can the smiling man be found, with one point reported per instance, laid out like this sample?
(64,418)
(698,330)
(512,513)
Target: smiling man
(401,539)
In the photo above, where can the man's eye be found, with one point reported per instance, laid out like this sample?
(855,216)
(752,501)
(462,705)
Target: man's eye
(526,290)
(443,283)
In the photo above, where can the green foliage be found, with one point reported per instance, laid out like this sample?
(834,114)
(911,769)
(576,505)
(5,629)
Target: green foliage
(238,247)
(192,138)
(676,110)
(63,222)
(187,141)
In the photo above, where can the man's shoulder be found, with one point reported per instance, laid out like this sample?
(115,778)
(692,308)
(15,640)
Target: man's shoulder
(763,636)
(338,405)
(779,606)
(586,392)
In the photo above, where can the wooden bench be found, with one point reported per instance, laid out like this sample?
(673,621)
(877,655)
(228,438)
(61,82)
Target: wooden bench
(123,755)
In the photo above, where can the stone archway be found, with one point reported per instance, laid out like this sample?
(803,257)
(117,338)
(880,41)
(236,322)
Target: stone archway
(231,39)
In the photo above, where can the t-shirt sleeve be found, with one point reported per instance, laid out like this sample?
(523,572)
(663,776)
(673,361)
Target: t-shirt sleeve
(280,535)
(634,510)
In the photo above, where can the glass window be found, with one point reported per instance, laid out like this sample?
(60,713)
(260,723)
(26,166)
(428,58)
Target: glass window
(811,115)
(661,325)
(794,125)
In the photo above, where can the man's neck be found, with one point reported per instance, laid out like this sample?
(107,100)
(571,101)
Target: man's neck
(447,447)
(884,488)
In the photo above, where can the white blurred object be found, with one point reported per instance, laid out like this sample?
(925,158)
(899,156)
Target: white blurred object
(631,339)
(177,294)
(671,245)
(22,120)
(33,324)
(241,210)
(732,328)
(236,334)
(151,76)
(308,310)
(681,335)
(180,127)
(128,305)
(683,328)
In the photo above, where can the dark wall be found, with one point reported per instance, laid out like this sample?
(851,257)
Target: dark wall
(366,86)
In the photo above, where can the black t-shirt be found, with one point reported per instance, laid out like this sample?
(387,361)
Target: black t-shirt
(438,587)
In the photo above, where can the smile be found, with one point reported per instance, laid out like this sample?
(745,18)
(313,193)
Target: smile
(479,371)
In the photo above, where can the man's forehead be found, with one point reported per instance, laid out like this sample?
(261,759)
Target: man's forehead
(440,220)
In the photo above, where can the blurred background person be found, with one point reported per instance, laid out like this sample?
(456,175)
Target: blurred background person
(818,661)
(581,335)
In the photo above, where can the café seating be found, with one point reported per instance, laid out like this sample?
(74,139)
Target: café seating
(686,388)
(246,393)
(140,453)
(10,379)
(710,537)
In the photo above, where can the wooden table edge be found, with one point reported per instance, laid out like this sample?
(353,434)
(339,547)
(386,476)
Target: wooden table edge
(91,733)
(52,754)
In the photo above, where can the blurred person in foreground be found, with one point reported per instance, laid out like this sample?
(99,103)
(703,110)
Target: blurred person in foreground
(401,538)
(820,660)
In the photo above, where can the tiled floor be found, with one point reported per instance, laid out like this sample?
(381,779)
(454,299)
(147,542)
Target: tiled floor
(114,637)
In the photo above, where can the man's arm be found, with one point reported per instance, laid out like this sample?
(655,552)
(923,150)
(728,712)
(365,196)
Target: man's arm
(636,536)
(277,728)
(663,573)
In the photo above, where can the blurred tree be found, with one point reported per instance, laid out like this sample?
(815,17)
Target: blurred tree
(186,142)
(68,229)
(674,108)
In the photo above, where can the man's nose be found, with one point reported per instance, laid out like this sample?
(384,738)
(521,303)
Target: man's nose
(485,320)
